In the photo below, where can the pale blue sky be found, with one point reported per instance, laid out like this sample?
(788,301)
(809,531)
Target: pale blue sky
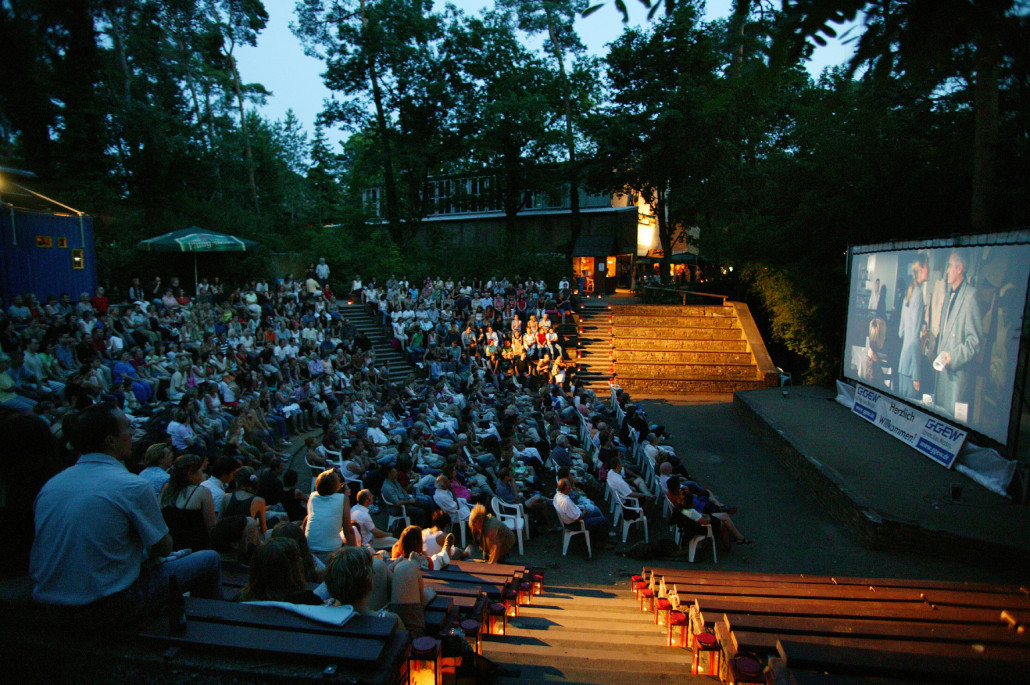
(278,62)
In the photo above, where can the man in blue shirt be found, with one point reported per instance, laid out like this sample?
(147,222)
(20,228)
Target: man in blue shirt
(100,537)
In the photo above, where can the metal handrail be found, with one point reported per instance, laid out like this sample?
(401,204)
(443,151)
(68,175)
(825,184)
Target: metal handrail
(684,293)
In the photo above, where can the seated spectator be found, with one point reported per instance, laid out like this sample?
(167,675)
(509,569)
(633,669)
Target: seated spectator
(187,506)
(157,461)
(370,535)
(314,569)
(235,538)
(328,523)
(100,579)
(277,575)
(244,501)
(569,513)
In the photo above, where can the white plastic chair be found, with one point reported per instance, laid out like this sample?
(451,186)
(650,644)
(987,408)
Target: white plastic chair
(511,515)
(390,508)
(571,530)
(631,504)
(697,539)
(315,470)
(462,523)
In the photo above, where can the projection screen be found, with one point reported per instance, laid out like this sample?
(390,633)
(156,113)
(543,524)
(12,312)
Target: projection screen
(938,324)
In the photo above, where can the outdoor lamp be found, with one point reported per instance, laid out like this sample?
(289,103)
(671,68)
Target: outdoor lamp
(538,583)
(498,619)
(525,592)
(662,609)
(511,599)
(470,627)
(744,668)
(424,662)
(677,620)
(707,655)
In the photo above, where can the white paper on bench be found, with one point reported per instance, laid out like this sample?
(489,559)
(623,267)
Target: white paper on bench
(334,616)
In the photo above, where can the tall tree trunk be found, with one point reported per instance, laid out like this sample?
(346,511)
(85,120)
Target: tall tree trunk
(741,11)
(243,127)
(575,224)
(985,135)
(393,215)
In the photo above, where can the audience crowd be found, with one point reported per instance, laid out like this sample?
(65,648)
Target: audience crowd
(200,394)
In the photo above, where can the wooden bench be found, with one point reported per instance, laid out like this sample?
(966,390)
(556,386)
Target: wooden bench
(368,647)
(961,666)
(875,628)
(709,577)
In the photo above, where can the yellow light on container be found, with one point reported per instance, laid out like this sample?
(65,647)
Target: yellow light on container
(470,627)
(498,619)
(707,655)
(424,662)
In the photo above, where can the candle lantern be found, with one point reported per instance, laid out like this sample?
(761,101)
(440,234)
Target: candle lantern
(646,599)
(538,583)
(511,600)
(662,609)
(473,635)
(424,662)
(498,619)
(707,655)
(525,592)
(677,623)
(633,583)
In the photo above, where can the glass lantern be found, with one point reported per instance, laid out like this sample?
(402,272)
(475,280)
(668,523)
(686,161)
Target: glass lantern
(538,583)
(498,619)
(424,662)
(707,655)
(525,592)
(473,635)
(511,600)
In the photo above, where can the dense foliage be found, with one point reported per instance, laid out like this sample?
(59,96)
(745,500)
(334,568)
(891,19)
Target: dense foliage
(136,112)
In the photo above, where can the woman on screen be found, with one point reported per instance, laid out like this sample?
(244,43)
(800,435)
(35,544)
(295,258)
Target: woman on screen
(909,369)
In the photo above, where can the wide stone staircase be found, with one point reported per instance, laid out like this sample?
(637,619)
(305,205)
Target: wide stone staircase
(359,317)
(587,635)
(688,349)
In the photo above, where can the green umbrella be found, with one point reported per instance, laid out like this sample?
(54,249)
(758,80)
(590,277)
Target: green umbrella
(195,239)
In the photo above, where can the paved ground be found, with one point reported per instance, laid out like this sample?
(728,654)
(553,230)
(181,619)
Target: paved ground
(792,533)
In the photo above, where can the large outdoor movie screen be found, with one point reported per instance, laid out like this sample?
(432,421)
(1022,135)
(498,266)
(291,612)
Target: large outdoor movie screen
(939,325)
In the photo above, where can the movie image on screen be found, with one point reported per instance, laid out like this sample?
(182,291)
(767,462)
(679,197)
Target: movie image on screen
(940,327)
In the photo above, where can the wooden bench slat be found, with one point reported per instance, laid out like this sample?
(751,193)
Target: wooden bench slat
(765,643)
(862,627)
(702,577)
(837,592)
(215,611)
(712,607)
(847,660)
(283,643)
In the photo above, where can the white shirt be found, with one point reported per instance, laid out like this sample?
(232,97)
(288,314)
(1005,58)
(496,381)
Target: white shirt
(217,488)
(567,509)
(360,517)
(617,483)
(324,526)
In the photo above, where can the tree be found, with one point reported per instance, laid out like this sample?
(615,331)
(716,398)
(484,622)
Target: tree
(507,112)
(931,42)
(661,137)
(556,19)
(388,50)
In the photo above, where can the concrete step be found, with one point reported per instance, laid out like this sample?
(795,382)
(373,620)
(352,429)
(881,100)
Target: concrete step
(676,321)
(664,310)
(587,635)
(681,357)
(686,371)
(662,385)
(684,344)
(662,333)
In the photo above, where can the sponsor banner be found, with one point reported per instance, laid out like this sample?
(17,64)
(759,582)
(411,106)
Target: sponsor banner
(925,433)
